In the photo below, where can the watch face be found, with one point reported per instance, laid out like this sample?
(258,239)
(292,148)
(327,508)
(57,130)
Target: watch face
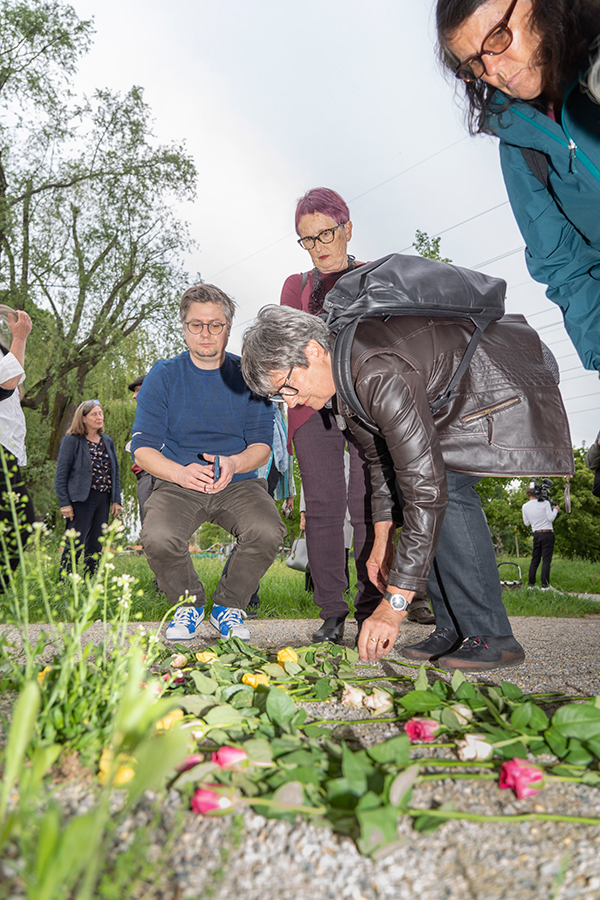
(397,602)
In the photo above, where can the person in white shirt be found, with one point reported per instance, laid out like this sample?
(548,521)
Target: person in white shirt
(540,515)
(12,440)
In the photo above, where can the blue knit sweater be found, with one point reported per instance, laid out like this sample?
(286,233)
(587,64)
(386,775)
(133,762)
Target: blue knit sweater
(183,410)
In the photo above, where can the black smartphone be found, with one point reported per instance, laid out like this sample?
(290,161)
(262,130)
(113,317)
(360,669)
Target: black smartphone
(217,467)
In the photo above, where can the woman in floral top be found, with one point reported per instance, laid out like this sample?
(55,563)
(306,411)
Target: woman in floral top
(87,481)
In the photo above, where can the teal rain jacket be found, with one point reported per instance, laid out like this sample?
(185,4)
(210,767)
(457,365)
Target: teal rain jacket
(560,224)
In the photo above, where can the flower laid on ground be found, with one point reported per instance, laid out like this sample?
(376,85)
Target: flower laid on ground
(41,676)
(255,680)
(207,800)
(463,713)
(472,747)
(378,702)
(176,715)
(189,762)
(520,776)
(179,661)
(125,771)
(207,656)
(419,729)
(353,696)
(229,757)
(178,676)
(288,654)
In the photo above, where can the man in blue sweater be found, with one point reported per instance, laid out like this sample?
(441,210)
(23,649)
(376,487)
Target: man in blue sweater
(203,434)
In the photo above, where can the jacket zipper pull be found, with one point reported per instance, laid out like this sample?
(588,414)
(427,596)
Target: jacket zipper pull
(572,156)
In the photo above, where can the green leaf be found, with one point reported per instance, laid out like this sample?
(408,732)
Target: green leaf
(258,749)
(315,731)
(401,786)
(274,670)
(354,770)
(449,719)
(195,704)
(578,754)
(420,701)
(539,720)
(466,691)
(457,680)
(396,750)
(204,684)
(511,691)
(427,824)
(223,715)
(520,716)
(22,727)
(351,655)
(557,743)
(421,681)
(280,706)
(323,688)
(292,668)
(378,828)
(290,794)
(577,721)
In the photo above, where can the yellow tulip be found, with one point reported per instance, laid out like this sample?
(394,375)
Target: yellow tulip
(207,656)
(287,655)
(41,676)
(124,773)
(255,680)
(176,715)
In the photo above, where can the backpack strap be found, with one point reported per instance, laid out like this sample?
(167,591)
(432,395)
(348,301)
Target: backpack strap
(538,163)
(342,372)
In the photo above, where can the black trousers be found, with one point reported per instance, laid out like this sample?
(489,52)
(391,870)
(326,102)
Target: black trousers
(88,518)
(543,548)
(25,515)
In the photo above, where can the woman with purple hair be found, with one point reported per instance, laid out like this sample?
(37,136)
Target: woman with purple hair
(324,228)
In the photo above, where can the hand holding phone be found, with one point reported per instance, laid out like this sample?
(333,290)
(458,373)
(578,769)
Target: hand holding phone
(215,464)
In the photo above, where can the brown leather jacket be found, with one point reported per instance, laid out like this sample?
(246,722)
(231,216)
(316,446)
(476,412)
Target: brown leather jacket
(507,420)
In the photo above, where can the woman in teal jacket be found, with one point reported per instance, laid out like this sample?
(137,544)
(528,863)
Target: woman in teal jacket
(521,63)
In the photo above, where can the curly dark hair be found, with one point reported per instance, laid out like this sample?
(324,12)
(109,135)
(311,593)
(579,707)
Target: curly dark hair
(567,30)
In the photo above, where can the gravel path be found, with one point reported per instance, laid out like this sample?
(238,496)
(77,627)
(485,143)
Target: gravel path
(258,859)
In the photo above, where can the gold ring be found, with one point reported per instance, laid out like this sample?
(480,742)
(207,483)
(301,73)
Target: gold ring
(375,641)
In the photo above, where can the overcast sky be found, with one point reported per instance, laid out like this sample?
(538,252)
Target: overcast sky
(273,98)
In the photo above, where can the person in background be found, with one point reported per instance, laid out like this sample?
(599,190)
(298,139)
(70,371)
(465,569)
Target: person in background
(145,481)
(592,457)
(87,482)
(324,228)
(522,65)
(203,434)
(12,440)
(539,515)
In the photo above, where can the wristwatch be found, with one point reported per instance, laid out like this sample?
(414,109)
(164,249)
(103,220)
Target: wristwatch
(397,601)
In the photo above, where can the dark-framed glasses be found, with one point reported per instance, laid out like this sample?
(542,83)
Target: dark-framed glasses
(494,43)
(286,390)
(198,327)
(325,237)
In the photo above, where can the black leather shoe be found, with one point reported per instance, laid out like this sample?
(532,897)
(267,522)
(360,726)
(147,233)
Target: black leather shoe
(252,608)
(441,641)
(478,654)
(332,630)
(422,616)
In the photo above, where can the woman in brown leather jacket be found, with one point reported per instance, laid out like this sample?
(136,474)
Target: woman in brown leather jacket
(507,418)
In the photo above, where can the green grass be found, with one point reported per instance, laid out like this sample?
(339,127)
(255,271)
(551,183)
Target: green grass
(283,596)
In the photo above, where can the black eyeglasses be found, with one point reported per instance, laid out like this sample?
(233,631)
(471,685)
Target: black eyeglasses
(198,327)
(494,43)
(325,237)
(286,390)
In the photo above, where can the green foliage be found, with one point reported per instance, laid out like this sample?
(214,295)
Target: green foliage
(428,247)
(577,532)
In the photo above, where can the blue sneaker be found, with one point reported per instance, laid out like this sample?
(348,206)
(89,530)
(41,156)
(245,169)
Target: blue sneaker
(229,621)
(185,623)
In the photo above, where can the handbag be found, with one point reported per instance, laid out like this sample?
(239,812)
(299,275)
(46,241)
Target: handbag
(298,558)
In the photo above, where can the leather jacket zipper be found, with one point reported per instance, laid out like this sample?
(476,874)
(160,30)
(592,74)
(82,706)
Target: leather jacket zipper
(490,410)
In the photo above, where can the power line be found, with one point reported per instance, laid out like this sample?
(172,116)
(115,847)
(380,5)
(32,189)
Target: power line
(589,409)
(488,262)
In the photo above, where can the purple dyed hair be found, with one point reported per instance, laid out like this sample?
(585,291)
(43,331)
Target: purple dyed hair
(324,201)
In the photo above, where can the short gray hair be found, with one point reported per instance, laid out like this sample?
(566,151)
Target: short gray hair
(277,340)
(207,293)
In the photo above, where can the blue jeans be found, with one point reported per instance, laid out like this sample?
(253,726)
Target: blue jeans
(464,585)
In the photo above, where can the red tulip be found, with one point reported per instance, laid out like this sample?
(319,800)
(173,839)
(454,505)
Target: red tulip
(519,776)
(419,729)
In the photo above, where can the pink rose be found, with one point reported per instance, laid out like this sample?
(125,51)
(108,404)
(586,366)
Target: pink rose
(229,757)
(179,661)
(473,747)
(422,729)
(519,776)
(206,800)
(189,762)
